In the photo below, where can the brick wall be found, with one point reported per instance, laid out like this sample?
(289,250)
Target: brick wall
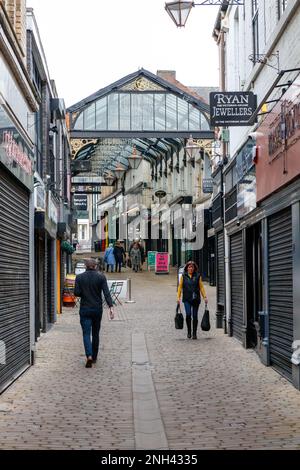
(16,11)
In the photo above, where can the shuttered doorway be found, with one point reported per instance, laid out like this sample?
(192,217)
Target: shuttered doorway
(220,269)
(236,269)
(14,278)
(281,291)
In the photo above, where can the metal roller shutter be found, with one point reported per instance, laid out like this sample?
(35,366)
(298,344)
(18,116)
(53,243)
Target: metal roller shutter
(14,278)
(237,267)
(220,269)
(281,291)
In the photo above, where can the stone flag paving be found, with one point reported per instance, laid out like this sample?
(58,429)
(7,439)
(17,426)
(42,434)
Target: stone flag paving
(150,381)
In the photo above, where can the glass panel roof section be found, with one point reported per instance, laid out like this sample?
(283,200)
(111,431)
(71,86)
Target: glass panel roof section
(107,153)
(141,111)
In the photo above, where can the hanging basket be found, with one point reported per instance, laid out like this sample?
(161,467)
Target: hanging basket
(67,248)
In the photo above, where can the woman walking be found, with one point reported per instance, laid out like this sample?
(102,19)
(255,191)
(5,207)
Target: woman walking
(191,287)
(109,258)
(135,255)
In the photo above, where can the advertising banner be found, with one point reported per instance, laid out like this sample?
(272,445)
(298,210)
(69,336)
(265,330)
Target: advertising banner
(151,260)
(162,263)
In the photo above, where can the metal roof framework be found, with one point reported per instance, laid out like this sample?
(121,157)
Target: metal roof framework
(114,146)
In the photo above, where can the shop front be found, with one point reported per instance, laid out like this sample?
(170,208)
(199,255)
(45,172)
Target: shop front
(16,185)
(278,194)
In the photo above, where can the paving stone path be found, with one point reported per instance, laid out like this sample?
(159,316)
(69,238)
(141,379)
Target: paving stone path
(204,394)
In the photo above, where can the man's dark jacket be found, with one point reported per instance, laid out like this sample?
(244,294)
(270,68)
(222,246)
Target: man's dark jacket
(89,286)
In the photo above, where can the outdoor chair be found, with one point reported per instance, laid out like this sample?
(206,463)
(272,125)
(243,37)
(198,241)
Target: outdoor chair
(118,285)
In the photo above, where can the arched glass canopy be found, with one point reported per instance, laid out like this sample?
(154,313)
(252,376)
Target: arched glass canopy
(157,111)
(141,110)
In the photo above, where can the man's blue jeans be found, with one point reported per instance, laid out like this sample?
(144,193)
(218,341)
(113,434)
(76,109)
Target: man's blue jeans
(90,323)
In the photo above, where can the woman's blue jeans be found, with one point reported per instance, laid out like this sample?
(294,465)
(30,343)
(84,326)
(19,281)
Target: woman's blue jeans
(90,323)
(191,310)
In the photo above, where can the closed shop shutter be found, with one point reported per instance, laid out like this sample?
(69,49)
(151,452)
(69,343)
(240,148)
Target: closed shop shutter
(237,267)
(220,269)
(50,281)
(14,278)
(281,291)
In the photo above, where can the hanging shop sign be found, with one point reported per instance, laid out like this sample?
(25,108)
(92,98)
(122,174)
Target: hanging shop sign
(244,159)
(85,189)
(82,215)
(15,154)
(232,108)
(81,166)
(162,263)
(39,197)
(246,194)
(207,185)
(52,208)
(151,260)
(80,202)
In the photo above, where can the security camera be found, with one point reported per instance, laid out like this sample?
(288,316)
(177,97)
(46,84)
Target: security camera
(254,135)
(238,223)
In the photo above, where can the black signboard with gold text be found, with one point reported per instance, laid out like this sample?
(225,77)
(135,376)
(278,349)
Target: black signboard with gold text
(232,108)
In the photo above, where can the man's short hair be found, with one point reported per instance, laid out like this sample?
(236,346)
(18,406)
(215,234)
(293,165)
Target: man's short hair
(91,263)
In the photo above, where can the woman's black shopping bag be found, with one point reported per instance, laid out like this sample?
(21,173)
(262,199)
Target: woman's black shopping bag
(205,323)
(178,319)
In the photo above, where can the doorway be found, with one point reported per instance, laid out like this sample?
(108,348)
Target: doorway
(254,282)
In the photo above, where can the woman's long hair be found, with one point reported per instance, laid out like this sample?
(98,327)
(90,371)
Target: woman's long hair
(191,263)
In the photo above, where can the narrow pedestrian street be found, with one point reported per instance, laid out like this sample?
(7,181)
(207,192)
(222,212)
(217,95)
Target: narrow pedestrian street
(150,385)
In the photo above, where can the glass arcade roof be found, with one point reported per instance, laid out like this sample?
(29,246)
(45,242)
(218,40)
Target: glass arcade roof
(157,111)
(141,110)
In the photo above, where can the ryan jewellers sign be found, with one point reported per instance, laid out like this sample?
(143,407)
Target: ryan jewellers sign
(232,108)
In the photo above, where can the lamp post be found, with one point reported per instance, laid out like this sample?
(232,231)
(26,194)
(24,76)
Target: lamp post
(192,148)
(109,179)
(135,159)
(120,171)
(179,11)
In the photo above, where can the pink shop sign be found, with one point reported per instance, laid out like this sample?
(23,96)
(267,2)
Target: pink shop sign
(15,153)
(162,263)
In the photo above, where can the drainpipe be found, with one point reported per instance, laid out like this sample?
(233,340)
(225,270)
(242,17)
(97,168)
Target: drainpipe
(32,278)
(227,308)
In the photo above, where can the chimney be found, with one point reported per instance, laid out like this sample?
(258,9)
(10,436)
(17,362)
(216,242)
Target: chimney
(169,75)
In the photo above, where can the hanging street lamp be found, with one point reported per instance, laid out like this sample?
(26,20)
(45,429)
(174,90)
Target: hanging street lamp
(179,11)
(135,159)
(109,179)
(191,148)
(119,171)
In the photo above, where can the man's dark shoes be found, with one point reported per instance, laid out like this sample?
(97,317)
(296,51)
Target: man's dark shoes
(94,361)
(89,363)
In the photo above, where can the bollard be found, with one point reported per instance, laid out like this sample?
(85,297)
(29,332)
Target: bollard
(129,301)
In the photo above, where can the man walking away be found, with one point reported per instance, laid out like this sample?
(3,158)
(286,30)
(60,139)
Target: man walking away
(89,287)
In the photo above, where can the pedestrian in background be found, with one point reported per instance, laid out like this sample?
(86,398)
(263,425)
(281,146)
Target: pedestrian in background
(109,258)
(89,287)
(119,254)
(135,255)
(191,287)
(142,250)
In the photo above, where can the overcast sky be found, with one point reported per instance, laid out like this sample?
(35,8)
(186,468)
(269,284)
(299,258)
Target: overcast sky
(92,43)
